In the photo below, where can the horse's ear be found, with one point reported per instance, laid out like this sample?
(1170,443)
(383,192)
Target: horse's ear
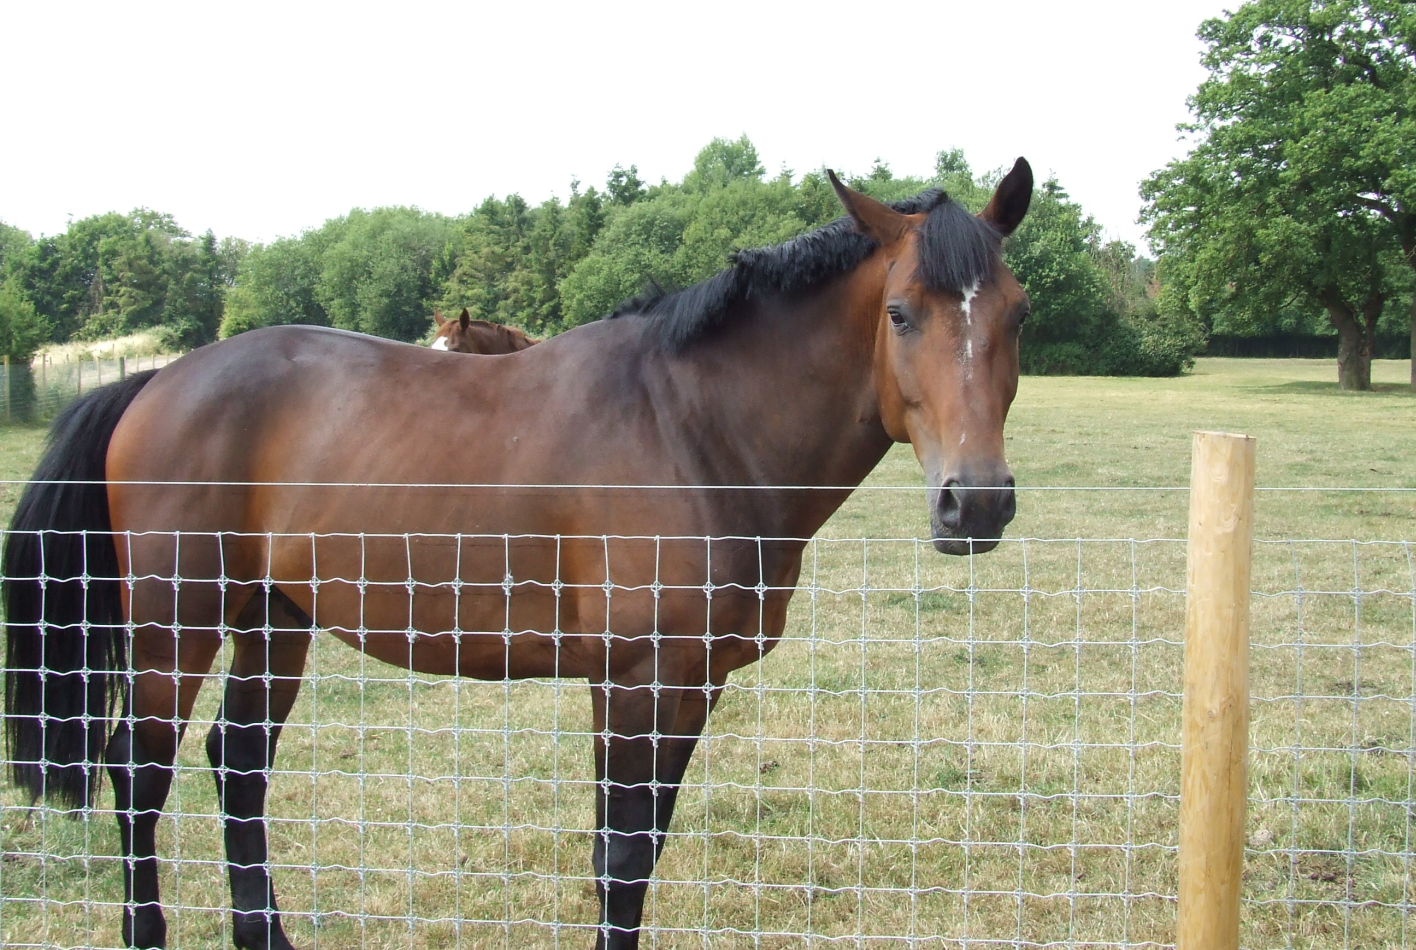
(871,217)
(437,315)
(1010,201)
(463,320)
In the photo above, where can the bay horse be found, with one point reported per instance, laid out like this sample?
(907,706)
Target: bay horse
(465,335)
(635,498)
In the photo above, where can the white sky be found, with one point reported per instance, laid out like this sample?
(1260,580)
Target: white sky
(261,120)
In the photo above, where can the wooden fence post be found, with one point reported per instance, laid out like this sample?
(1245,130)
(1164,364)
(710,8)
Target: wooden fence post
(1215,717)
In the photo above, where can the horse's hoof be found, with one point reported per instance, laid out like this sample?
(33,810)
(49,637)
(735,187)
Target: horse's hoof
(258,931)
(144,927)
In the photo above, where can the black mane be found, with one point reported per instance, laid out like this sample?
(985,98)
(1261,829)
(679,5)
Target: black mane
(956,250)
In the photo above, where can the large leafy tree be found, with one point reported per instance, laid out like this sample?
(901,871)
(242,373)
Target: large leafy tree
(383,273)
(1301,188)
(14,242)
(113,273)
(22,329)
(681,234)
(275,283)
(491,276)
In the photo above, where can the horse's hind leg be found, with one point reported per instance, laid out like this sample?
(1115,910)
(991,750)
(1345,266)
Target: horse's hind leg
(269,661)
(140,757)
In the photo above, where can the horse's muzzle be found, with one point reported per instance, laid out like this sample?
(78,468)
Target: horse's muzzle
(970,518)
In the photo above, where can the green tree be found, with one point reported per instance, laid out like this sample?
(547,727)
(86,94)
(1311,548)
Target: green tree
(1049,254)
(492,276)
(22,329)
(230,253)
(380,276)
(112,274)
(1299,191)
(680,234)
(66,276)
(722,162)
(624,187)
(511,258)
(195,292)
(637,245)
(14,243)
(275,283)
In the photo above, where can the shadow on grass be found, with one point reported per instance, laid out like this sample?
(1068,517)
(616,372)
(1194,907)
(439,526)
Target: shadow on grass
(1314,387)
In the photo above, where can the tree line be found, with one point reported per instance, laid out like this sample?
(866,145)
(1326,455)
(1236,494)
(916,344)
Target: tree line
(1294,212)
(558,264)
(113,274)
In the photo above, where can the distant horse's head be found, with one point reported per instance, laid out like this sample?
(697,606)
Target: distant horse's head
(946,352)
(465,335)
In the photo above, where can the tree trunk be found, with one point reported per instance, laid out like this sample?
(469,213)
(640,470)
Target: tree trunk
(1354,350)
(1413,339)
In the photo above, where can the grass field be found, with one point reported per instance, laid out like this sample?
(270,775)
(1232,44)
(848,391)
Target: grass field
(942,752)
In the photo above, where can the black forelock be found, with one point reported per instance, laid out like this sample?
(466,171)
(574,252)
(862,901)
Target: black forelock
(956,250)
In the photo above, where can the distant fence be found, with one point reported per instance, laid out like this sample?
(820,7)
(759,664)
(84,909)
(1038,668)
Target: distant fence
(942,752)
(1309,345)
(36,391)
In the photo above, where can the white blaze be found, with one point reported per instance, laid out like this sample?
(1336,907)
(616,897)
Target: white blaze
(966,306)
(970,292)
(440,343)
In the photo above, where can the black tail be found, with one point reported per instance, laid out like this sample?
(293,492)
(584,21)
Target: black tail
(65,649)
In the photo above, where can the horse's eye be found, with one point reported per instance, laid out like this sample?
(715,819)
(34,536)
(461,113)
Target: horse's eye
(897,318)
(1023,317)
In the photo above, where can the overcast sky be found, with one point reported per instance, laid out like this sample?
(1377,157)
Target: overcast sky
(261,120)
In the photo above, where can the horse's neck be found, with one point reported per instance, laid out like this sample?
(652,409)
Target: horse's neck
(791,395)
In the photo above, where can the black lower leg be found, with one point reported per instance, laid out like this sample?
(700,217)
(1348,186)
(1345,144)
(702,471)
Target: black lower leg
(240,753)
(674,754)
(139,791)
(652,735)
(623,858)
(265,673)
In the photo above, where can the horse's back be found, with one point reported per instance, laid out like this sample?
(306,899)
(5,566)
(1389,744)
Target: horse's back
(289,406)
(229,410)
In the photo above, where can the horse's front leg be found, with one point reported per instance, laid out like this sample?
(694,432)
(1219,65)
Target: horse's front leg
(675,750)
(640,757)
(266,670)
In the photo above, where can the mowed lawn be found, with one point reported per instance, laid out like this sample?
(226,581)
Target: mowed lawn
(942,752)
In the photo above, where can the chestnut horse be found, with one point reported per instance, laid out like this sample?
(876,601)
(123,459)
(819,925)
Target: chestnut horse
(632,506)
(465,335)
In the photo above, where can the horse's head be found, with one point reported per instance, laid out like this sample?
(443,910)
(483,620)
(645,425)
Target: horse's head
(465,335)
(946,351)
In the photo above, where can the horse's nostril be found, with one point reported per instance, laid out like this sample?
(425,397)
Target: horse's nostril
(1009,508)
(950,511)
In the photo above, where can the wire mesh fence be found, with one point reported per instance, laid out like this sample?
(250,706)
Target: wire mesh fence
(35,391)
(940,752)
